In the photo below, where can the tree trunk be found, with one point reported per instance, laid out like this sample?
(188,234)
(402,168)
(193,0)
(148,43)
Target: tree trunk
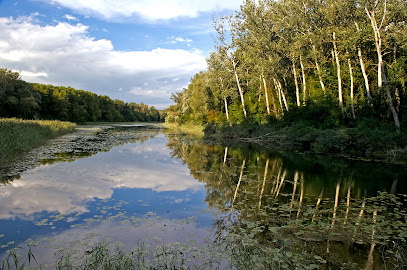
(382,78)
(363,68)
(240,89)
(297,88)
(351,88)
(266,96)
(280,88)
(279,95)
(304,84)
(338,67)
(226,109)
(321,82)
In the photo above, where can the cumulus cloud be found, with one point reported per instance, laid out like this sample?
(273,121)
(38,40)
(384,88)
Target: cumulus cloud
(65,54)
(151,10)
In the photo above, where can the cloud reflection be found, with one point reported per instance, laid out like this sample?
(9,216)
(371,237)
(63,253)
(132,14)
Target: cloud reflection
(66,187)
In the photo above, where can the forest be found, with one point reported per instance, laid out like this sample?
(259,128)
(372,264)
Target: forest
(328,63)
(37,101)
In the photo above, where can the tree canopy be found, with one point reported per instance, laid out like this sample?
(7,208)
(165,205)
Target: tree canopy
(26,100)
(335,61)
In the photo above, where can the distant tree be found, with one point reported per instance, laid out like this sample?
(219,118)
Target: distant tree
(17,98)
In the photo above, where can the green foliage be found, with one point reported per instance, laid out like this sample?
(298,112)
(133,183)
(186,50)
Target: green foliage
(17,98)
(36,101)
(322,112)
(278,60)
(65,103)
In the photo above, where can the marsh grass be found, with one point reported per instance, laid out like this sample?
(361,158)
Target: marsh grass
(105,255)
(15,262)
(18,136)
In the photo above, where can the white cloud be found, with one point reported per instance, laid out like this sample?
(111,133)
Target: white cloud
(65,54)
(175,40)
(151,10)
(33,74)
(70,17)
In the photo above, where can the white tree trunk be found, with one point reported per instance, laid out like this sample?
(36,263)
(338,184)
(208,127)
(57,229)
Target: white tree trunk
(266,95)
(240,89)
(279,95)
(363,68)
(338,67)
(297,88)
(382,78)
(283,95)
(226,155)
(304,84)
(351,88)
(226,109)
(321,82)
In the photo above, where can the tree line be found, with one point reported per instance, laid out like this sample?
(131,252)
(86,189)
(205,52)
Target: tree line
(37,101)
(328,61)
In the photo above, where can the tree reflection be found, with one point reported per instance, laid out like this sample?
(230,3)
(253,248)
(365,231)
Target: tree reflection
(326,213)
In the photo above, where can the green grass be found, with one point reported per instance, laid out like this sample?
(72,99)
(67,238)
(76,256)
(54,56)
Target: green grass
(18,136)
(186,128)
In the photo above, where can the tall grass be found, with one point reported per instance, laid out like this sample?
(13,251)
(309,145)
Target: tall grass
(18,136)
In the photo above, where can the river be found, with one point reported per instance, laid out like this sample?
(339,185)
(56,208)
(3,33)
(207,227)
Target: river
(171,200)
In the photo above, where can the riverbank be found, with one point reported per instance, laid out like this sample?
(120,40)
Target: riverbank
(365,141)
(197,130)
(18,136)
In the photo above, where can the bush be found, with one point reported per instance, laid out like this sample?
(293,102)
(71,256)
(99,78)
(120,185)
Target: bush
(318,113)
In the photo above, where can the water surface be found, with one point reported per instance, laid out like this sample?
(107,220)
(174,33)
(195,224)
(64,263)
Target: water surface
(126,184)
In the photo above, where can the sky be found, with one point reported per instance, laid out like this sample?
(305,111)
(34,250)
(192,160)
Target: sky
(132,50)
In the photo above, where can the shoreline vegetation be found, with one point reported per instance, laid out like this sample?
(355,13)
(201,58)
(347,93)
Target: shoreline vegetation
(19,136)
(366,141)
(320,77)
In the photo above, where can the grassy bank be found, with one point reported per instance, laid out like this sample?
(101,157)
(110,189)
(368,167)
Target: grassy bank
(185,128)
(18,136)
(365,140)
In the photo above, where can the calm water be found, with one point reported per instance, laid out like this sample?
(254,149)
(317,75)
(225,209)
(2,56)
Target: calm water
(127,184)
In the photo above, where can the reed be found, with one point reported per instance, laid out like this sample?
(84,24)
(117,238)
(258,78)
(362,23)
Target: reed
(18,136)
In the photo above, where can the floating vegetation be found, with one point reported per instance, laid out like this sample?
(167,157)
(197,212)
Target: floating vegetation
(85,142)
(257,210)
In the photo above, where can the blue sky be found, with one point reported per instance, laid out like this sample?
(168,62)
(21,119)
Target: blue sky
(133,50)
